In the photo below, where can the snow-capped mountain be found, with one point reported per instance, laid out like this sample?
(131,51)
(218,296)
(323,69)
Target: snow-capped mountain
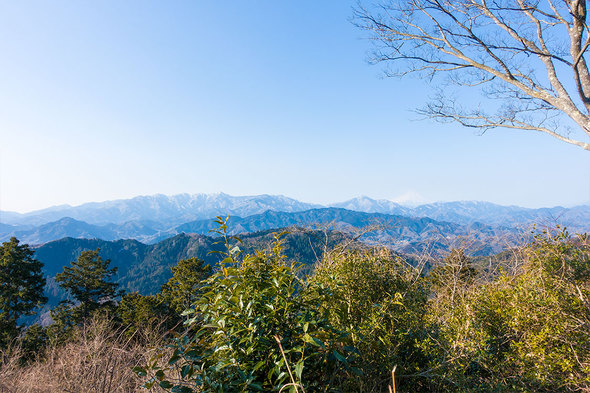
(368,205)
(167,210)
(467,212)
(153,218)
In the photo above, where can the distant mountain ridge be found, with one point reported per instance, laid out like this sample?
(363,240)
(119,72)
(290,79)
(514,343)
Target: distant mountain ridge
(576,218)
(153,218)
(143,231)
(401,233)
(166,210)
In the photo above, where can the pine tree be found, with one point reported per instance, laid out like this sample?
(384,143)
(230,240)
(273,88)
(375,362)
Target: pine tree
(21,287)
(88,280)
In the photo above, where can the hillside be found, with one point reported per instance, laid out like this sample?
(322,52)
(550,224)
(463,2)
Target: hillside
(144,268)
(401,233)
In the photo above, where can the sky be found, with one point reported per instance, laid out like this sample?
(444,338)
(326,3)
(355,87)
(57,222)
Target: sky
(107,100)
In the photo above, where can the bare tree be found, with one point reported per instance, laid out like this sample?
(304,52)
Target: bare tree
(531,55)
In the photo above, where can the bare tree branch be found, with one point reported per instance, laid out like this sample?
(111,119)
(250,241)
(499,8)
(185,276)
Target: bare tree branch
(529,54)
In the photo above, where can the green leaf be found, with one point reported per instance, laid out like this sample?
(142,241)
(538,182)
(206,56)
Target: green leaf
(312,340)
(185,370)
(259,364)
(181,389)
(187,312)
(140,371)
(299,369)
(174,358)
(338,356)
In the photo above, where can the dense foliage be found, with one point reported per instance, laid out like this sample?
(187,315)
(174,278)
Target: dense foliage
(379,300)
(259,322)
(525,330)
(522,325)
(163,311)
(257,327)
(21,287)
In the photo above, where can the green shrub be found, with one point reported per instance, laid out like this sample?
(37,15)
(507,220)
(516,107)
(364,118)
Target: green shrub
(257,327)
(380,301)
(138,312)
(526,331)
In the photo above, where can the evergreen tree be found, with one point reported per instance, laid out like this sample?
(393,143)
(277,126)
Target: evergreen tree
(88,280)
(184,287)
(21,287)
(143,313)
(165,309)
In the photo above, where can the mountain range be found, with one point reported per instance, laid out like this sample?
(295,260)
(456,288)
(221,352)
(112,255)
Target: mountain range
(144,268)
(159,209)
(150,219)
(467,212)
(145,236)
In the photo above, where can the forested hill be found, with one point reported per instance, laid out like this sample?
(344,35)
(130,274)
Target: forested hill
(150,219)
(403,234)
(144,267)
(329,217)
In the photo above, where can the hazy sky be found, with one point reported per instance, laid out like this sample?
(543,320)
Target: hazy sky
(112,99)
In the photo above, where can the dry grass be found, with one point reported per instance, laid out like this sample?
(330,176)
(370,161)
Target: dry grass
(99,359)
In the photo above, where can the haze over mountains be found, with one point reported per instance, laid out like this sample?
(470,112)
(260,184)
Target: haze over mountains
(150,219)
(162,209)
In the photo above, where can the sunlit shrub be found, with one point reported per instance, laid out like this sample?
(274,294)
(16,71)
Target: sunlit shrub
(257,327)
(380,301)
(524,331)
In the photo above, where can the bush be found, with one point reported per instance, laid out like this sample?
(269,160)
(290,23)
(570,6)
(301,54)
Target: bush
(379,300)
(526,331)
(257,327)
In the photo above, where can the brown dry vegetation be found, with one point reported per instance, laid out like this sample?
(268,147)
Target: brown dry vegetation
(98,359)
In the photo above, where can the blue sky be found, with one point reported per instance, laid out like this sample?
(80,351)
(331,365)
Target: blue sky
(106,100)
